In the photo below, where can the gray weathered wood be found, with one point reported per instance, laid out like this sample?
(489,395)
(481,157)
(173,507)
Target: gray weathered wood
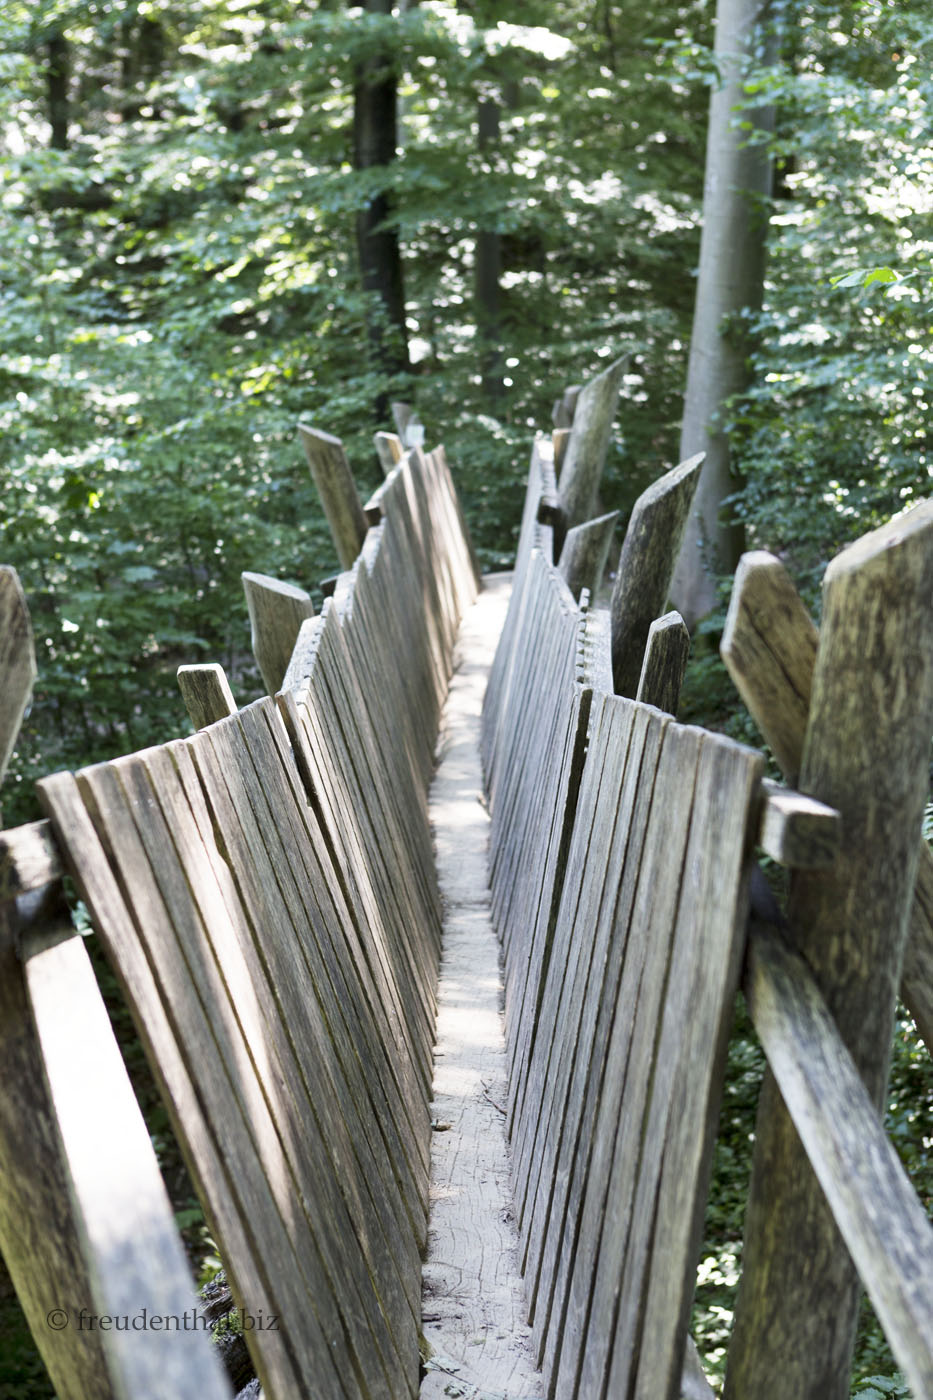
(643,578)
(585,552)
(797,831)
(337,490)
(388,450)
(694,1385)
(665,663)
(206,693)
(769,648)
(593,421)
(114,1178)
(276,612)
(884,1225)
(559,440)
(17,662)
(865,753)
(565,407)
(402,414)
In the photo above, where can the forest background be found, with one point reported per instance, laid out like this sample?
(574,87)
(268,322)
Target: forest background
(181,281)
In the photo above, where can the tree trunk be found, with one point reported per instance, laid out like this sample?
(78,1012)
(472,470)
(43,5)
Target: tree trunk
(375,139)
(57,74)
(732,251)
(488,269)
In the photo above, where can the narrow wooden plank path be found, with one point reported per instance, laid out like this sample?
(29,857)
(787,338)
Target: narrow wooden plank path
(474,1306)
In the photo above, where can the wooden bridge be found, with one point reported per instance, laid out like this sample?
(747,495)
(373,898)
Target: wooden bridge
(313,905)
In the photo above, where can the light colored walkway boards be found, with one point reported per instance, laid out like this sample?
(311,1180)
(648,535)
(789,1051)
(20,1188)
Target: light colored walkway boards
(473,1297)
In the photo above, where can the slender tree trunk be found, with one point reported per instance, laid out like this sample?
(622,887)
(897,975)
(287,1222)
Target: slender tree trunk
(732,253)
(58,73)
(375,140)
(487,272)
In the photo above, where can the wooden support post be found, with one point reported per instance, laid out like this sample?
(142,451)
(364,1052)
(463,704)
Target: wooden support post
(662,671)
(866,753)
(388,450)
(17,662)
(276,612)
(646,566)
(206,693)
(585,457)
(565,407)
(402,414)
(334,481)
(769,648)
(302,658)
(585,552)
(559,440)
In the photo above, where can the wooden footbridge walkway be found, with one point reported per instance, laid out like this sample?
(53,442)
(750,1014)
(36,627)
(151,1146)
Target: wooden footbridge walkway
(434,955)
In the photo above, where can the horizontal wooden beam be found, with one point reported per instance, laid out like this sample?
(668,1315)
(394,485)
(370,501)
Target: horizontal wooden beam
(797,831)
(884,1225)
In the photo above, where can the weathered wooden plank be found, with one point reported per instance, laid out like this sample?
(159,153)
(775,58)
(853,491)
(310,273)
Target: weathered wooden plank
(38,1233)
(798,831)
(206,693)
(665,663)
(769,647)
(17,662)
(591,433)
(865,753)
(884,1225)
(337,490)
(138,1265)
(585,553)
(276,612)
(565,407)
(236,1204)
(559,440)
(646,566)
(680,1135)
(388,450)
(583,1314)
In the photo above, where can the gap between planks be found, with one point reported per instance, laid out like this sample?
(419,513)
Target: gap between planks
(473,1298)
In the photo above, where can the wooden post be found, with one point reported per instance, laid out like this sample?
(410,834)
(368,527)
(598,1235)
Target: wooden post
(17,662)
(769,648)
(388,450)
(276,612)
(402,414)
(585,457)
(646,565)
(865,753)
(206,693)
(586,549)
(662,671)
(559,439)
(565,407)
(334,481)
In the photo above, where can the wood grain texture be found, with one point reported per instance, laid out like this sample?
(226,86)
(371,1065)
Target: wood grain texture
(276,612)
(206,693)
(40,1236)
(17,662)
(585,553)
(646,566)
(665,663)
(113,1176)
(473,1301)
(865,753)
(591,432)
(769,648)
(883,1223)
(798,831)
(337,490)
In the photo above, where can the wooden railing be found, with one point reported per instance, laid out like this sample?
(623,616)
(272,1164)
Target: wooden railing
(623,874)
